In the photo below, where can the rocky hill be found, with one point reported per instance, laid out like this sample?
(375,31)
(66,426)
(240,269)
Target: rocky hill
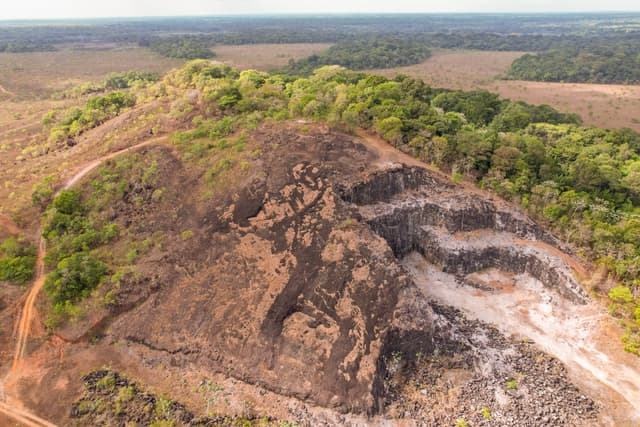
(290,270)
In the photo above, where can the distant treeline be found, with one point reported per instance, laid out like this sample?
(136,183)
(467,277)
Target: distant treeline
(603,61)
(610,59)
(241,30)
(25,46)
(570,47)
(482,31)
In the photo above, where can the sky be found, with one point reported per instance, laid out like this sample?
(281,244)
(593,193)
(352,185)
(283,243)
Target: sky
(54,9)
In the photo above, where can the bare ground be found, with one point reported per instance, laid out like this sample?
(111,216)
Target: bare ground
(265,57)
(37,74)
(458,69)
(607,106)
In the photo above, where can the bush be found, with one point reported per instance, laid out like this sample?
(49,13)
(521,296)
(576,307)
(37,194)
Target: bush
(97,110)
(42,192)
(68,202)
(621,294)
(17,261)
(74,277)
(486,413)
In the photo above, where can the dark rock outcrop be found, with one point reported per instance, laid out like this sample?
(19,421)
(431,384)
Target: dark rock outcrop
(413,211)
(289,289)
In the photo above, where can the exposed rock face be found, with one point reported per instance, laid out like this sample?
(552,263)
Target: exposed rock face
(456,229)
(472,253)
(292,280)
(290,290)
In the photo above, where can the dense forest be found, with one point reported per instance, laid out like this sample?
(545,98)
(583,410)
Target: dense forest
(374,52)
(186,47)
(607,60)
(529,32)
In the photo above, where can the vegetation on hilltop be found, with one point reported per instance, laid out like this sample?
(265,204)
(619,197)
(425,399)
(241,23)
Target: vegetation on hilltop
(114,81)
(79,225)
(110,398)
(71,235)
(97,110)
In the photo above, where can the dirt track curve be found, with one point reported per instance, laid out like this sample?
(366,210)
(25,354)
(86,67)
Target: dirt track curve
(27,315)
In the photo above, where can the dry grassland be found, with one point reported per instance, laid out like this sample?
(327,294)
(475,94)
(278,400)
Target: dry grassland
(39,74)
(265,57)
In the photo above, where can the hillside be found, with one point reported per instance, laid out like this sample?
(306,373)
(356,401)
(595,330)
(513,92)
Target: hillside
(229,246)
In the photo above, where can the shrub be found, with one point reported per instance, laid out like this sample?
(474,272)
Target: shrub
(68,202)
(132,255)
(621,294)
(107,383)
(42,192)
(486,413)
(631,343)
(74,277)
(512,385)
(17,261)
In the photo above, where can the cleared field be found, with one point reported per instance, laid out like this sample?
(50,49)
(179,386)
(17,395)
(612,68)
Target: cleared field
(609,106)
(458,69)
(265,57)
(37,75)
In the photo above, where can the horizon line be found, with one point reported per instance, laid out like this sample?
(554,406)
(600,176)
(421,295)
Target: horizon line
(311,14)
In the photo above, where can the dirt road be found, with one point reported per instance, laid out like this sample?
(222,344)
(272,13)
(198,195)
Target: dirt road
(24,325)
(27,315)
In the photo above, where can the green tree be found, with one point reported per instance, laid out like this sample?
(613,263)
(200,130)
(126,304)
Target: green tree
(74,277)
(390,129)
(17,261)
